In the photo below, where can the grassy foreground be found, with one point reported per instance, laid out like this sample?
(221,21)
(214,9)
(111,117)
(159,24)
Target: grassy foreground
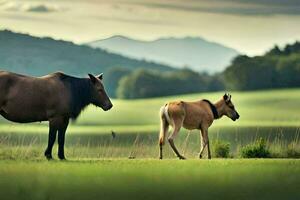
(99,169)
(150,179)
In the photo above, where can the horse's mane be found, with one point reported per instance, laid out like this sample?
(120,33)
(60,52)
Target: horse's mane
(81,93)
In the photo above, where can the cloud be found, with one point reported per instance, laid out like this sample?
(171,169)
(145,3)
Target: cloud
(134,20)
(267,2)
(28,7)
(2,2)
(232,7)
(41,8)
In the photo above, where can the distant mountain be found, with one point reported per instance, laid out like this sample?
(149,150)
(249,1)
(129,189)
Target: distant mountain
(30,55)
(193,52)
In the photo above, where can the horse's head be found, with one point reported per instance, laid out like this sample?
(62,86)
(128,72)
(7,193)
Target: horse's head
(99,96)
(228,108)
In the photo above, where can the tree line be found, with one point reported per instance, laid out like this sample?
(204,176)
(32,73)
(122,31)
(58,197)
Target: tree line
(278,68)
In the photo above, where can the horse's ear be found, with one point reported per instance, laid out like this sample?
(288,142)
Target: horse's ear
(100,76)
(93,78)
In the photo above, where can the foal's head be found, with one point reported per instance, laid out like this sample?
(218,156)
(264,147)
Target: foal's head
(99,96)
(228,108)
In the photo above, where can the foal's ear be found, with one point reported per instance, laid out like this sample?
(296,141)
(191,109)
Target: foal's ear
(100,76)
(227,97)
(93,78)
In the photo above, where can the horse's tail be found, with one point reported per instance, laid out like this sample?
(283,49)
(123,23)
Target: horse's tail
(164,124)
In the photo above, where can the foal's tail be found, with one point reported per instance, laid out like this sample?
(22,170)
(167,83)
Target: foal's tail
(164,124)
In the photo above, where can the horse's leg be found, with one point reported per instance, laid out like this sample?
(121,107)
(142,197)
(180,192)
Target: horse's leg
(176,130)
(51,140)
(61,138)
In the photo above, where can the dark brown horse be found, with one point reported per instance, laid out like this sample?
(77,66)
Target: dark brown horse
(55,98)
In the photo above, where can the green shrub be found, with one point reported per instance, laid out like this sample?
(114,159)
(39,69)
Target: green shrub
(256,150)
(292,151)
(221,149)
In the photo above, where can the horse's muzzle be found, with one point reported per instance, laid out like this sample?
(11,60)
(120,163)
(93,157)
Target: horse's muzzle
(108,107)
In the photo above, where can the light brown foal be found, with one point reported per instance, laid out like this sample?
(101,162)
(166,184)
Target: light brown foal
(193,115)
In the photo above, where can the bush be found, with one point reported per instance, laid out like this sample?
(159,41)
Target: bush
(221,149)
(256,150)
(292,151)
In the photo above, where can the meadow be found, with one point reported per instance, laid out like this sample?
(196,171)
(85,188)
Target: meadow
(126,166)
(272,115)
(150,179)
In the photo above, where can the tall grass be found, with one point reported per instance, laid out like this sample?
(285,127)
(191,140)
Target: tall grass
(144,145)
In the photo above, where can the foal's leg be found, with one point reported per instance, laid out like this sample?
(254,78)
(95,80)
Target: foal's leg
(176,130)
(61,138)
(163,134)
(51,140)
(204,142)
(160,151)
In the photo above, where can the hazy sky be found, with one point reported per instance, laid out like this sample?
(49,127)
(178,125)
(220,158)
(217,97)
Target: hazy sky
(250,26)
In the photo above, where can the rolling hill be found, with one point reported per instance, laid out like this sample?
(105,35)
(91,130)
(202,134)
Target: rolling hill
(194,52)
(23,53)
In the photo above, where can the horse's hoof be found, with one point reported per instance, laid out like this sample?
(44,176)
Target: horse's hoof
(49,157)
(200,156)
(62,159)
(182,158)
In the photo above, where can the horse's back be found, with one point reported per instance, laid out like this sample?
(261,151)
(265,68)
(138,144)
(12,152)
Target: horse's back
(7,79)
(55,75)
(29,99)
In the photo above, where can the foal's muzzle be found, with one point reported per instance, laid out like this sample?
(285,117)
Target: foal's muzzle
(236,117)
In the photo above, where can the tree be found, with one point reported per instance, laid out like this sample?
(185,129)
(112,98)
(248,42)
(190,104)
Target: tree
(148,83)
(273,70)
(112,78)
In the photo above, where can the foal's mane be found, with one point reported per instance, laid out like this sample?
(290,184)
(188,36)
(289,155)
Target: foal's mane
(81,93)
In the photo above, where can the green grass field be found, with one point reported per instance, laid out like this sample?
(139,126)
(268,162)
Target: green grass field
(272,115)
(150,179)
(98,166)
